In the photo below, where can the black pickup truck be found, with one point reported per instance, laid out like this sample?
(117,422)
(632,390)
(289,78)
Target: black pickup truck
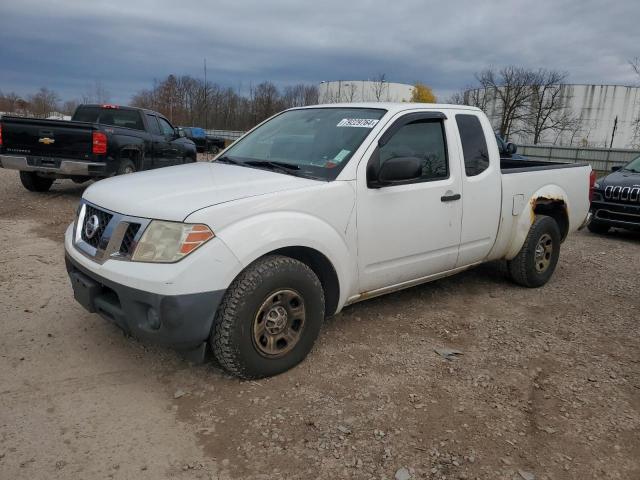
(99,141)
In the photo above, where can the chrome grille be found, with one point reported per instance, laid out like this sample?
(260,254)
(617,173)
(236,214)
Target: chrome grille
(128,241)
(110,235)
(103,220)
(623,194)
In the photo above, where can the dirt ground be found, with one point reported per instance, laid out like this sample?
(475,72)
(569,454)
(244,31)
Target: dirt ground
(548,386)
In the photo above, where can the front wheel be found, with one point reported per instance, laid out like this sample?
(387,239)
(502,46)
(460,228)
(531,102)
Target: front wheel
(269,318)
(538,257)
(35,183)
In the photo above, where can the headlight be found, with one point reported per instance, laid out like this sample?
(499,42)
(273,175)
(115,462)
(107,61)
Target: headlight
(168,242)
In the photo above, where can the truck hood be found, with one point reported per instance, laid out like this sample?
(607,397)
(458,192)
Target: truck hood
(173,193)
(621,178)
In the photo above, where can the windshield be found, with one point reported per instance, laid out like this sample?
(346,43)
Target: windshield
(633,166)
(313,142)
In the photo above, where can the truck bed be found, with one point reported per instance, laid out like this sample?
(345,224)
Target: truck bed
(508,165)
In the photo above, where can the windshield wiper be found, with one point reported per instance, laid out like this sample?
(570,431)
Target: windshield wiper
(228,160)
(272,164)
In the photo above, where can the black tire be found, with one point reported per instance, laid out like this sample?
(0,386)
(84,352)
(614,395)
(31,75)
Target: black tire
(535,263)
(597,227)
(126,166)
(233,338)
(34,183)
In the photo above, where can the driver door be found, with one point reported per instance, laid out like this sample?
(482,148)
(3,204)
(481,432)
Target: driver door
(410,230)
(170,151)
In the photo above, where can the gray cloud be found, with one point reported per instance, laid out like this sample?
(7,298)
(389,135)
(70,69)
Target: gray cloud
(67,45)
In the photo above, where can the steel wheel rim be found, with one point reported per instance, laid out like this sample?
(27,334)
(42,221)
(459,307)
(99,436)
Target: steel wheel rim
(279,323)
(544,252)
(128,170)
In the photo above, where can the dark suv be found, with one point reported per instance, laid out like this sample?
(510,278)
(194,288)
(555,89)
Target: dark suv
(616,199)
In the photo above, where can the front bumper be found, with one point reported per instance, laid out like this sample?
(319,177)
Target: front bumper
(57,166)
(180,321)
(621,215)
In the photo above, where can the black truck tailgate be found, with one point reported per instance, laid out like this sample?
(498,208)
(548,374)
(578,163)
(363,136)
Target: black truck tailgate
(47,138)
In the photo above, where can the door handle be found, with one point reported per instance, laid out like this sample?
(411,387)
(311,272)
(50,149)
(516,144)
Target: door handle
(451,198)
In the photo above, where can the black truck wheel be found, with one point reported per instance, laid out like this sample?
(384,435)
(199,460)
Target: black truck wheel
(34,183)
(126,166)
(597,227)
(538,257)
(269,318)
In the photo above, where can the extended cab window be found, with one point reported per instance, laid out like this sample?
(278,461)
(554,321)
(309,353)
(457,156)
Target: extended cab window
(423,139)
(474,145)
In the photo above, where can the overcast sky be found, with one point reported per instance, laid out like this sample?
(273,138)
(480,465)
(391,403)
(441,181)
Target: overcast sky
(67,45)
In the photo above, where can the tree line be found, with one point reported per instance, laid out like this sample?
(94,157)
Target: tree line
(189,101)
(184,100)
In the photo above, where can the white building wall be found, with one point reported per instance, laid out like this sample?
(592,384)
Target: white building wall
(597,107)
(363,91)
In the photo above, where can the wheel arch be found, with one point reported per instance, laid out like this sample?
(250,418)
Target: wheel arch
(297,235)
(551,201)
(133,153)
(322,267)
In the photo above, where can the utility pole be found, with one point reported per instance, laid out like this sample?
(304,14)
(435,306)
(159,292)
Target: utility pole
(206,104)
(613,133)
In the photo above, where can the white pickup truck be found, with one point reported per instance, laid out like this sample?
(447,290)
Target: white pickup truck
(314,209)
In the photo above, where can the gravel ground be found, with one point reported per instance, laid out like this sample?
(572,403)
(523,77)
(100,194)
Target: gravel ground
(547,386)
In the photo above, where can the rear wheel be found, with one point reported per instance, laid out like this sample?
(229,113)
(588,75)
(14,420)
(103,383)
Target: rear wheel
(269,318)
(126,166)
(538,257)
(34,183)
(597,227)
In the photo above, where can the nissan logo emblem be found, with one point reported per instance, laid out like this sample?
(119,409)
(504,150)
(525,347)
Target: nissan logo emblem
(91,226)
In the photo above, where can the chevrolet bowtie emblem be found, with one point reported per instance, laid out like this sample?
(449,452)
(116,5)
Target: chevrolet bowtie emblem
(46,140)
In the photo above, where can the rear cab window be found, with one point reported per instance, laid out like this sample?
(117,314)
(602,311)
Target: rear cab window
(116,117)
(474,144)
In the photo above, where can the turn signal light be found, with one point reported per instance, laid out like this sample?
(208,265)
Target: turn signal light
(99,143)
(198,235)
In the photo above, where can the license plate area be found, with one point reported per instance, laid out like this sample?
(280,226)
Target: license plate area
(85,290)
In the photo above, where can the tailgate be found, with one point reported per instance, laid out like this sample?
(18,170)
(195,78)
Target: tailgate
(47,138)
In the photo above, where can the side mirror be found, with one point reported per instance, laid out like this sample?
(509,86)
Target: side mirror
(397,170)
(178,133)
(616,168)
(511,148)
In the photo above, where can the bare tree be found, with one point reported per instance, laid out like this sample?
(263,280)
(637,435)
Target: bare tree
(456,98)
(69,107)
(379,86)
(511,90)
(635,65)
(547,104)
(351,89)
(96,93)
(44,102)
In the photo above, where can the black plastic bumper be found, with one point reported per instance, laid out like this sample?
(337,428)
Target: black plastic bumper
(180,321)
(621,215)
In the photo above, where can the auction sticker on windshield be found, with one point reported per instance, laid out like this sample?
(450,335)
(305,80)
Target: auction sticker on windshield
(358,122)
